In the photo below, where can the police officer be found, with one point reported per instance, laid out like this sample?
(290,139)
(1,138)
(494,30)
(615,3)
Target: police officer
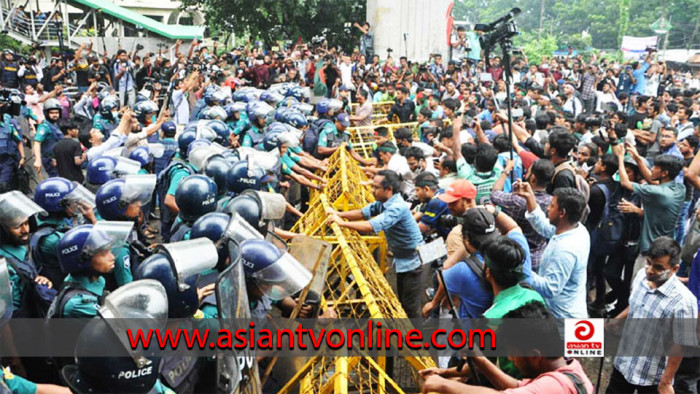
(10,383)
(146,113)
(333,136)
(65,202)
(16,210)
(104,168)
(257,112)
(212,97)
(241,176)
(167,138)
(85,255)
(47,135)
(11,147)
(196,196)
(168,181)
(108,117)
(123,371)
(178,267)
(221,130)
(208,161)
(324,114)
(8,70)
(121,200)
(213,113)
(30,72)
(236,120)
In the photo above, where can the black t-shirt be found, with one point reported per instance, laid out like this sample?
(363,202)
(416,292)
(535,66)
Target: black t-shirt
(331,75)
(632,123)
(65,152)
(100,74)
(565,178)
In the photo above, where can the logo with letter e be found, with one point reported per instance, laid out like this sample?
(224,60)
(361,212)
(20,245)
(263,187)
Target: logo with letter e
(584,337)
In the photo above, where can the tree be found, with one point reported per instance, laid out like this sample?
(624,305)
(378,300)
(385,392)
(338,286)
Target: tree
(273,20)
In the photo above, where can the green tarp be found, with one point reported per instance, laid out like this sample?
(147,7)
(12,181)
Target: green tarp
(172,32)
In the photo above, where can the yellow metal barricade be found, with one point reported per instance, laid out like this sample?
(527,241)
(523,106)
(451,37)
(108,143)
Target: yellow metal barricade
(355,287)
(363,139)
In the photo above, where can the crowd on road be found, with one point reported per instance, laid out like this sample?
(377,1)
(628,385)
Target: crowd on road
(583,204)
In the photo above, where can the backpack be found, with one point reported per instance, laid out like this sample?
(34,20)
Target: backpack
(609,232)
(581,184)
(311,136)
(36,298)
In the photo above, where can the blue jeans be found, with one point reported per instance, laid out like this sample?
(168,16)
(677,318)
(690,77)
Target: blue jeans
(680,224)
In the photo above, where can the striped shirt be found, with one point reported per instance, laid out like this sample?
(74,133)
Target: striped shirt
(678,308)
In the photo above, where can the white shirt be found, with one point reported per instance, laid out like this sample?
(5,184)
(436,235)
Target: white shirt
(399,165)
(346,75)
(182,108)
(114,141)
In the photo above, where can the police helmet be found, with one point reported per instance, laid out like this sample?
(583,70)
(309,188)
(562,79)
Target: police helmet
(195,196)
(277,274)
(296,119)
(241,177)
(107,105)
(50,105)
(114,198)
(258,109)
(184,140)
(212,226)
(141,154)
(143,109)
(217,168)
(50,194)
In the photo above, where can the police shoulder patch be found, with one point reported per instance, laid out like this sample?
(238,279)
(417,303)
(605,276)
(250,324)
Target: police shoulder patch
(127,261)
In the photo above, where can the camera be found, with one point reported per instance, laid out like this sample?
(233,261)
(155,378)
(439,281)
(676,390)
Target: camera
(139,47)
(651,49)
(499,31)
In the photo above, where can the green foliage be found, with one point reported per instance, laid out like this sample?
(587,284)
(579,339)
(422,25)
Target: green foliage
(536,49)
(16,46)
(605,20)
(273,20)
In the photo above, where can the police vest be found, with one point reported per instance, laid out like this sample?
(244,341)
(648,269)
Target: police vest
(179,230)
(52,138)
(50,267)
(256,135)
(8,75)
(180,370)
(334,140)
(36,299)
(7,145)
(30,77)
(160,163)
(107,126)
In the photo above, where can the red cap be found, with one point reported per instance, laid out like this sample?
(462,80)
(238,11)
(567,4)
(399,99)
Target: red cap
(460,188)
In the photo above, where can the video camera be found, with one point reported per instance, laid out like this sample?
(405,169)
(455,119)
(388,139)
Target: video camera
(499,31)
(11,102)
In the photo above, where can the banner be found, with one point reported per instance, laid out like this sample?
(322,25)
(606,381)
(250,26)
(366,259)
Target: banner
(633,47)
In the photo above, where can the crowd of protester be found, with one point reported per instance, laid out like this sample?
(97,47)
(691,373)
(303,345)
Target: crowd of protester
(585,207)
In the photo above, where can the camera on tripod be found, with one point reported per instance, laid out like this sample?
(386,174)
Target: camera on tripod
(500,31)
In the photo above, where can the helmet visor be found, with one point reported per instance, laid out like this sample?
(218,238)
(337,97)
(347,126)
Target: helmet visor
(205,133)
(139,305)
(15,208)
(191,257)
(198,156)
(5,293)
(80,196)
(156,150)
(268,161)
(126,166)
(239,230)
(138,188)
(304,108)
(283,278)
(273,205)
(106,235)
(335,105)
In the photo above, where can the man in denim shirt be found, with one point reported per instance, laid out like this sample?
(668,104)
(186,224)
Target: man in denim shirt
(561,277)
(391,214)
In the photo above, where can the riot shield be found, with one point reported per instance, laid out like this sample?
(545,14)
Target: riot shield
(237,370)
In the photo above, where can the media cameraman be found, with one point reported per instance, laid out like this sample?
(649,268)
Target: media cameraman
(124,79)
(30,72)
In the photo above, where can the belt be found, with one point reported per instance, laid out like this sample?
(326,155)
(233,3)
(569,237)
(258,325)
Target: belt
(404,253)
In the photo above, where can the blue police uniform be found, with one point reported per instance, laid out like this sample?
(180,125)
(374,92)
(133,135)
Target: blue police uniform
(104,125)
(85,303)
(9,154)
(48,134)
(253,138)
(170,149)
(8,74)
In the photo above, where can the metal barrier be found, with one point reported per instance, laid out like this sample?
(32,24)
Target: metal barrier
(363,139)
(354,285)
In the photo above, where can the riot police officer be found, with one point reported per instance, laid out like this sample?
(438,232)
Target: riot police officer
(257,112)
(10,383)
(146,113)
(104,168)
(122,200)
(108,117)
(196,196)
(65,202)
(168,181)
(167,138)
(123,370)
(47,135)
(178,267)
(11,146)
(237,118)
(85,255)
(8,70)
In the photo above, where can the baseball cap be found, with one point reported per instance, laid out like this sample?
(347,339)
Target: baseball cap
(343,119)
(343,88)
(480,225)
(460,188)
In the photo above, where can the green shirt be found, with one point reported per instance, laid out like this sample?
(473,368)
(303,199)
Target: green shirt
(662,206)
(84,305)
(248,140)
(177,175)
(510,299)
(482,181)
(122,266)
(48,245)
(330,128)
(19,253)
(17,384)
(506,301)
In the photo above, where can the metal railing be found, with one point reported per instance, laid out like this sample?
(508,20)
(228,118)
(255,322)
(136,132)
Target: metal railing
(37,30)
